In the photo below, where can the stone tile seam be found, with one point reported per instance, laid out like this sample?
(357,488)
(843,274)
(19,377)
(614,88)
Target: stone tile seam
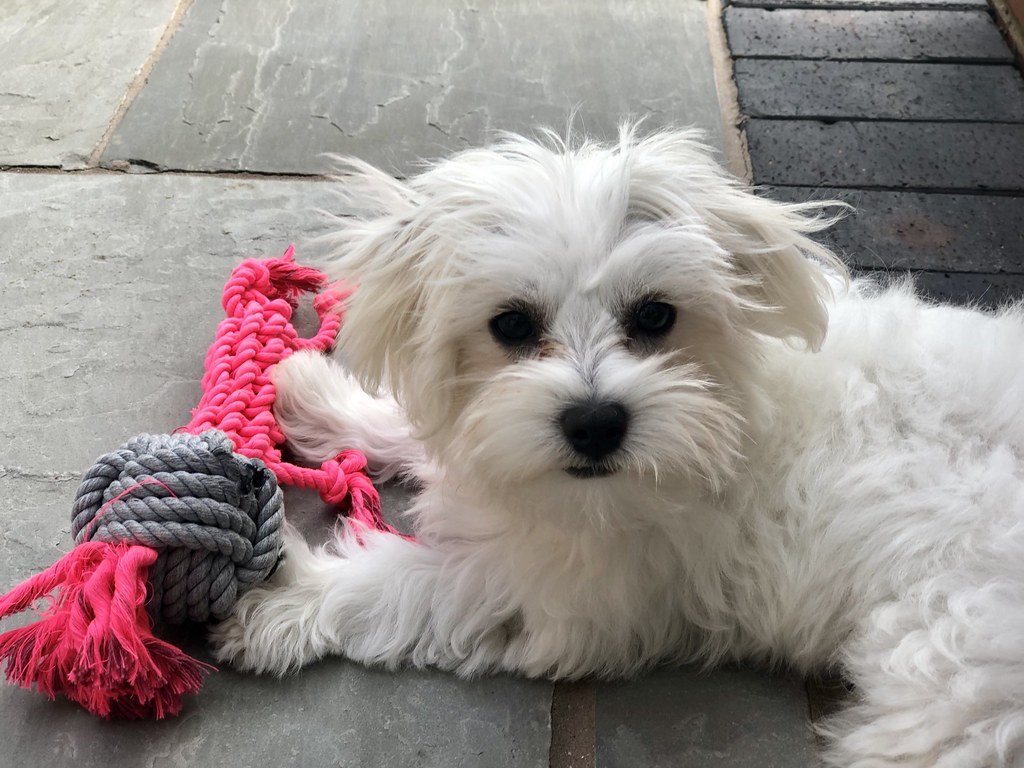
(864,6)
(834,119)
(930,271)
(922,61)
(990,62)
(573,734)
(887,8)
(54,170)
(737,151)
(963,191)
(140,80)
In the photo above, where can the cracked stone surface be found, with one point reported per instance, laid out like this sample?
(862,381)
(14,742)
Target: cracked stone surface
(109,300)
(259,86)
(58,88)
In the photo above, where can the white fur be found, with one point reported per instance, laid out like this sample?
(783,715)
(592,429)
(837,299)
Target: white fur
(854,501)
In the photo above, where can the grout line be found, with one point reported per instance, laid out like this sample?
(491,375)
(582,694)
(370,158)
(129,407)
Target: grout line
(935,271)
(834,119)
(737,155)
(861,5)
(887,8)
(139,82)
(964,60)
(573,725)
(909,63)
(27,170)
(965,191)
(877,120)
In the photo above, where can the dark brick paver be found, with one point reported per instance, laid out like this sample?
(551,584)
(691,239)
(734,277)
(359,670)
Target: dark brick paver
(880,90)
(912,111)
(839,33)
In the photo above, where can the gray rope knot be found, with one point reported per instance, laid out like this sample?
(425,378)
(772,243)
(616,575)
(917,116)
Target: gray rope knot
(213,515)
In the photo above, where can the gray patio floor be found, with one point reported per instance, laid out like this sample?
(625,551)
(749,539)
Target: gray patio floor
(146,148)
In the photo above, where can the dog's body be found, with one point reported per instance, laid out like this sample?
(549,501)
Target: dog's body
(628,454)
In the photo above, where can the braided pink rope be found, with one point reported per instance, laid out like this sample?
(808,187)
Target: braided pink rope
(238,394)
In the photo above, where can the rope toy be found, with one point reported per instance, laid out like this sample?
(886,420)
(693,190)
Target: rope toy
(170,528)
(213,515)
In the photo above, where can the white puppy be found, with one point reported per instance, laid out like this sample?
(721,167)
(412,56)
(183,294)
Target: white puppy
(651,421)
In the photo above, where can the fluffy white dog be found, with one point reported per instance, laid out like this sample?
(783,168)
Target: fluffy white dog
(651,421)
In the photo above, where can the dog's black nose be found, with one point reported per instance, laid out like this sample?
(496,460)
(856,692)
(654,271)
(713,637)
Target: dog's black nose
(594,429)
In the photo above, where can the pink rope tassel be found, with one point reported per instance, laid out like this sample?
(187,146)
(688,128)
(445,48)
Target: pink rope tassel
(94,641)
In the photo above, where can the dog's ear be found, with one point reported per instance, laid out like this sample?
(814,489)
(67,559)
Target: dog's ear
(391,256)
(768,242)
(788,277)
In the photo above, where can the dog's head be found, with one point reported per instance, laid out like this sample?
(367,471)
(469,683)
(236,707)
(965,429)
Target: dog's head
(581,313)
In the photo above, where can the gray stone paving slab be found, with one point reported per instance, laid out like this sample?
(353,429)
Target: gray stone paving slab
(268,88)
(331,714)
(109,300)
(911,230)
(733,718)
(854,34)
(111,294)
(65,66)
(941,156)
(879,90)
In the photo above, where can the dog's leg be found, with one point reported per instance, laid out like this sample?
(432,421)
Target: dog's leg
(379,599)
(323,410)
(941,680)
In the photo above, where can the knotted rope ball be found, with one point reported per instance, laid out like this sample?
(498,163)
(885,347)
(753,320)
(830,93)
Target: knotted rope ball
(213,516)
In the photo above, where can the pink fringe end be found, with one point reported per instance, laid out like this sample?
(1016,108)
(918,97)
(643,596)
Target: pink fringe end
(94,642)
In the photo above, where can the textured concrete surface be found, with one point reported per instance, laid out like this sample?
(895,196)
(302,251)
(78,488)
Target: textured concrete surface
(857,34)
(733,719)
(879,90)
(110,297)
(915,230)
(259,86)
(64,68)
(942,156)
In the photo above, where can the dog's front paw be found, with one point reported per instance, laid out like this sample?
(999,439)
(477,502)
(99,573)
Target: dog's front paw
(313,405)
(269,632)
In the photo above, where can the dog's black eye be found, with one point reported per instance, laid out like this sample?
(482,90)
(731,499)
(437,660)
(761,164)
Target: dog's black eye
(512,328)
(655,318)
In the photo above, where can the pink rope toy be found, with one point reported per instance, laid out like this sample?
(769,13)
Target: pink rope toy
(173,527)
